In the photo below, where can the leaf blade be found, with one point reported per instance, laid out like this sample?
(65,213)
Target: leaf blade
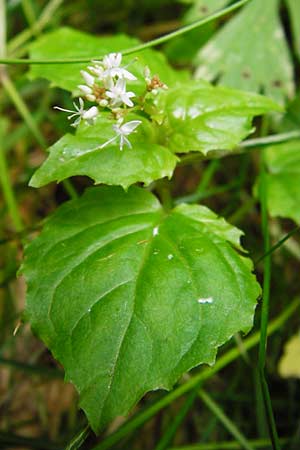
(114,287)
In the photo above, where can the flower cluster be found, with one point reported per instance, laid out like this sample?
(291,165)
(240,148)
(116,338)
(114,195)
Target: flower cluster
(105,84)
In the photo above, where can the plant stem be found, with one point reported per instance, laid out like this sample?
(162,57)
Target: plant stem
(29,120)
(233,445)
(272,139)
(167,437)
(29,13)
(8,193)
(265,307)
(278,244)
(38,26)
(23,110)
(4,175)
(228,424)
(79,439)
(137,48)
(2,30)
(249,143)
(140,418)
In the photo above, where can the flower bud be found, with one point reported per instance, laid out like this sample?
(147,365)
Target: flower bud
(86,90)
(88,78)
(103,103)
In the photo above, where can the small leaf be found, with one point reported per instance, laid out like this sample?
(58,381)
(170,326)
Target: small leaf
(289,364)
(129,298)
(77,44)
(82,154)
(283,163)
(202,118)
(250,53)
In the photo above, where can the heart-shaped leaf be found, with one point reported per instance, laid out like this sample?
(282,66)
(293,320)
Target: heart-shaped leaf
(129,297)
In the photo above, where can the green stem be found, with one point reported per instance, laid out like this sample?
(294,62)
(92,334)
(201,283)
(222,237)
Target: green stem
(168,436)
(23,110)
(233,445)
(138,420)
(29,120)
(42,21)
(8,193)
(137,48)
(265,307)
(29,12)
(228,424)
(278,244)
(272,139)
(249,143)
(2,29)
(79,439)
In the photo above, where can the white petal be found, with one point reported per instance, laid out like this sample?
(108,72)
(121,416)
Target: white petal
(76,123)
(81,103)
(129,127)
(126,99)
(110,94)
(124,141)
(128,75)
(121,84)
(118,58)
(90,113)
(108,82)
(62,109)
(88,78)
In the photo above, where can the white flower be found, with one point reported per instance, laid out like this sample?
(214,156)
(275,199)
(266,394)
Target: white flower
(119,72)
(80,113)
(117,93)
(122,131)
(112,60)
(111,68)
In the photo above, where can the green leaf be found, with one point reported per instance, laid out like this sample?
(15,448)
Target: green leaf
(291,120)
(294,10)
(200,117)
(128,298)
(283,163)
(81,154)
(78,44)
(250,53)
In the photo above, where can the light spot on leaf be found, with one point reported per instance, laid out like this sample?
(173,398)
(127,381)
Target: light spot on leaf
(205,300)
